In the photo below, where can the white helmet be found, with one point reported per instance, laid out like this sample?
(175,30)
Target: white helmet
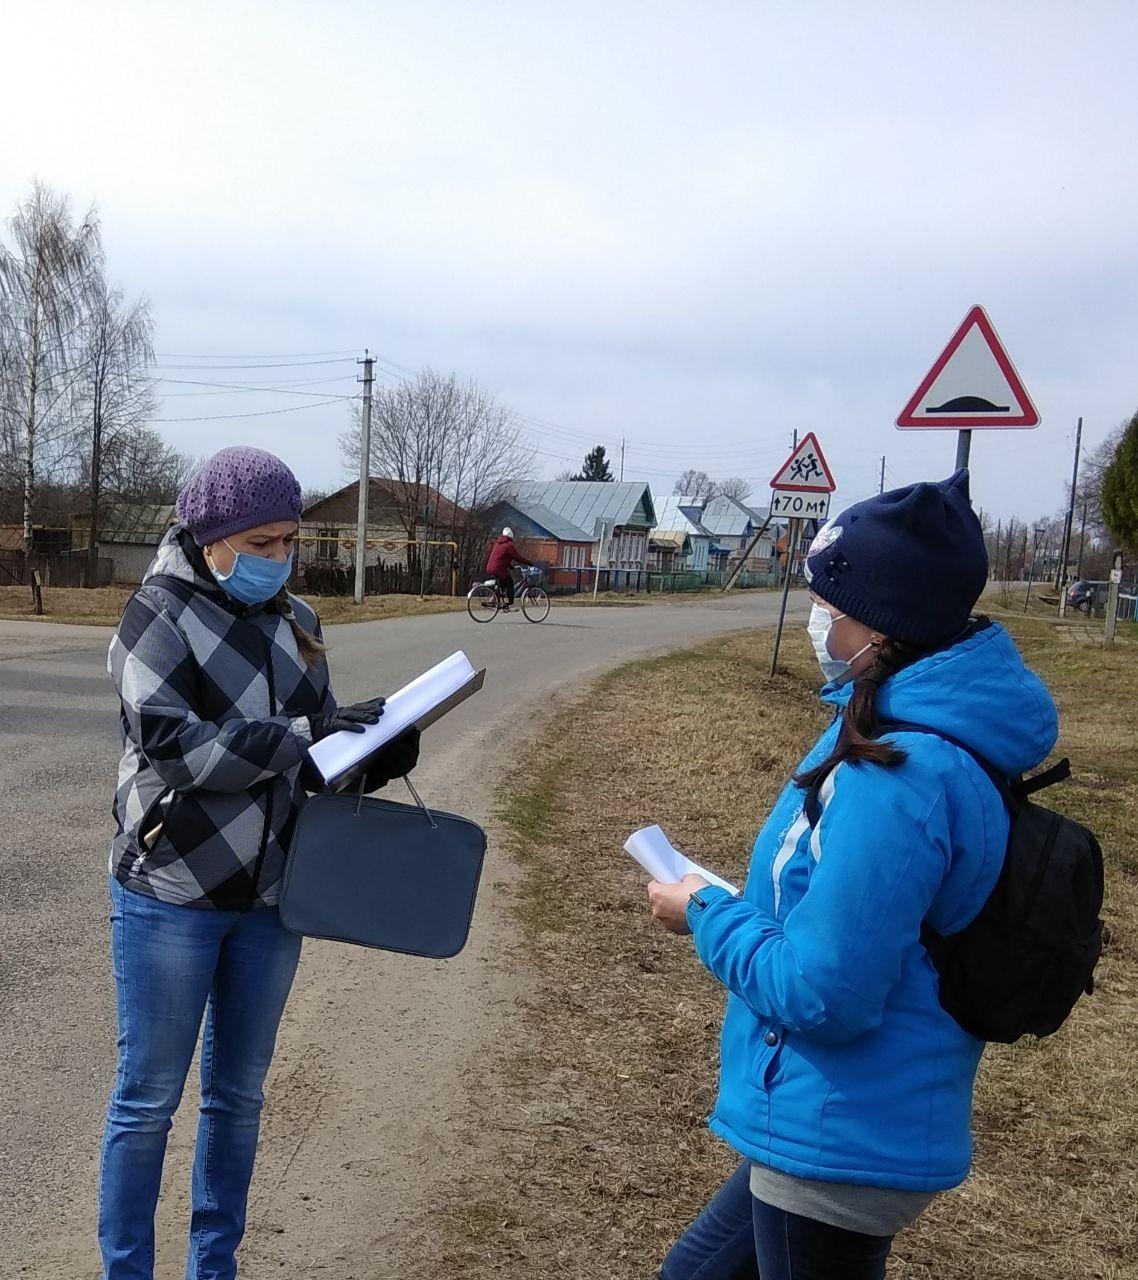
(507,532)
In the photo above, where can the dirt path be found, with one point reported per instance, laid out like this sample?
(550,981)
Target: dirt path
(377,1054)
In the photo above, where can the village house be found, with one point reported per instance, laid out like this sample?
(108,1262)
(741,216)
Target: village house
(326,544)
(541,535)
(678,542)
(732,526)
(617,516)
(128,535)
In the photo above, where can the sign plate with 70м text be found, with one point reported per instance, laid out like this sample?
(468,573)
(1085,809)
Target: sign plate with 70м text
(801,506)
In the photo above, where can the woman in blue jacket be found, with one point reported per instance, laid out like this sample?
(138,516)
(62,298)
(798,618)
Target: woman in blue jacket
(844,1085)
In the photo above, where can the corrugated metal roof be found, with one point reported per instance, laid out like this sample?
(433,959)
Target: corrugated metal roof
(671,516)
(560,528)
(142,524)
(726,518)
(585,503)
(677,539)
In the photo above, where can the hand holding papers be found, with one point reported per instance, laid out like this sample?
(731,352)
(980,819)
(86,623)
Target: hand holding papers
(652,849)
(426,699)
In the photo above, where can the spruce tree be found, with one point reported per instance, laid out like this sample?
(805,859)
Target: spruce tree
(596,466)
(1120,489)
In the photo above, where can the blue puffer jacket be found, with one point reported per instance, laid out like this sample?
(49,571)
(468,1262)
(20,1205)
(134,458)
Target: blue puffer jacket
(838,1062)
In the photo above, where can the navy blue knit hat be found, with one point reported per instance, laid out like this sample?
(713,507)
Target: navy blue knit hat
(909,563)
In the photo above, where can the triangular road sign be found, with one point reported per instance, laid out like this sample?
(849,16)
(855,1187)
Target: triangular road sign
(972,384)
(806,470)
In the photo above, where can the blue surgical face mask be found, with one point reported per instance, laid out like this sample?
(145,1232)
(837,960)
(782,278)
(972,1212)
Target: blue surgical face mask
(253,579)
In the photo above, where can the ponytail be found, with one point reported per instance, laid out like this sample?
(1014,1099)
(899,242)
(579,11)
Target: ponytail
(311,649)
(858,738)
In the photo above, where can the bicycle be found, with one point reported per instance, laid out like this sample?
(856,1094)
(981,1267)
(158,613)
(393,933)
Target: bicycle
(484,600)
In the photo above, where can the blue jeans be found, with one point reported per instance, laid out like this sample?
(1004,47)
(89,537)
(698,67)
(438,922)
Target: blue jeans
(737,1237)
(173,964)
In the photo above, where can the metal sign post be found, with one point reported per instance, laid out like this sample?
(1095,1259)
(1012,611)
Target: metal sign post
(792,547)
(802,488)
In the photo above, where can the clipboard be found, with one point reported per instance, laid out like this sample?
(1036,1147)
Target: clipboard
(339,756)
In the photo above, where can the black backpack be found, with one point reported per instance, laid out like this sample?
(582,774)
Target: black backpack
(1019,967)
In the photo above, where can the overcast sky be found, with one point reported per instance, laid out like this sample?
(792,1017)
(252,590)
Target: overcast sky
(696,225)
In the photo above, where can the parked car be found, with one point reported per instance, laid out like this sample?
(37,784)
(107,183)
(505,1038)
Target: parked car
(1088,597)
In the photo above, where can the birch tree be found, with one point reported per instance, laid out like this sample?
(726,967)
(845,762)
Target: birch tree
(47,278)
(114,397)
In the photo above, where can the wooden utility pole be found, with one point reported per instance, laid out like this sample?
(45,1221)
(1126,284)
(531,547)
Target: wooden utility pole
(1069,523)
(365,479)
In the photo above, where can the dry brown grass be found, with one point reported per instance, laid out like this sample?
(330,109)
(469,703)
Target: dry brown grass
(103,606)
(99,607)
(603,1153)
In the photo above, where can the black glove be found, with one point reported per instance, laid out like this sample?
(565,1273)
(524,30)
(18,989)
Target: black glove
(393,760)
(351,719)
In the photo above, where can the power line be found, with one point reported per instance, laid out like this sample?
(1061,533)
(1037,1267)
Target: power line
(202,368)
(276,355)
(221,417)
(283,391)
(251,386)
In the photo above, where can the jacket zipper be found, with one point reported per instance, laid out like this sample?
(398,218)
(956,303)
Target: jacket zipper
(269,792)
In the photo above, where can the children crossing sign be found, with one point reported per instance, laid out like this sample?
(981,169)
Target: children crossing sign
(803,484)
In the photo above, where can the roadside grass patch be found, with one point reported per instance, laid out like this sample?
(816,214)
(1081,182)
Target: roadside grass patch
(599,1101)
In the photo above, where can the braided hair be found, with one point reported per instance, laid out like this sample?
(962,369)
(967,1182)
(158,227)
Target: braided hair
(311,648)
(858,738)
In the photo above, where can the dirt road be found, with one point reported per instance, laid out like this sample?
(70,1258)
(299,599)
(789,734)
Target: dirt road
(377,1054)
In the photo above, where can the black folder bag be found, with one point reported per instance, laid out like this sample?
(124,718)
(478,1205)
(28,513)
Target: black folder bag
(380,874)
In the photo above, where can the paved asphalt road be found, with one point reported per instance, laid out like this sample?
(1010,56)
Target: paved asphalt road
(373,1048)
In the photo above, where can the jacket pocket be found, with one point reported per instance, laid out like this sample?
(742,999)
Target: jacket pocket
(767,1062)
(150,827)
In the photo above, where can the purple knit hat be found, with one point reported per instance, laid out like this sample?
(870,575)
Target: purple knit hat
(237,489)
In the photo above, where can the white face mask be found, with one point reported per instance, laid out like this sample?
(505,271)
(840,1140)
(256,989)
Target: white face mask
(835,670)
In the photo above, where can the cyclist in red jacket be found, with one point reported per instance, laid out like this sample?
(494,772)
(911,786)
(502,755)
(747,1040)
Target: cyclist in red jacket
(502,556)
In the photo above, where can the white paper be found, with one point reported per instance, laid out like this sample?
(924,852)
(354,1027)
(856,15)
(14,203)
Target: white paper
(339,752)
(655,853)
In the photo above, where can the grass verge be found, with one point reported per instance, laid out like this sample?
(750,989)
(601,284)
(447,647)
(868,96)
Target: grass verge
(603,1154)
(103,606)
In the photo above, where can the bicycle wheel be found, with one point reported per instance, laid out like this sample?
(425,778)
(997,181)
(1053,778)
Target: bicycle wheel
(535,604)
(482,604)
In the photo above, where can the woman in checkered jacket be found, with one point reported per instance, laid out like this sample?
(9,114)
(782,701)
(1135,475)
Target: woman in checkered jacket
(223,687)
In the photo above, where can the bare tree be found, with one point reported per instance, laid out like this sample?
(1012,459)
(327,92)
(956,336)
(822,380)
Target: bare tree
(697,485)
(451,451)
(46,280)
(114,396)
(139,466)
(734,487)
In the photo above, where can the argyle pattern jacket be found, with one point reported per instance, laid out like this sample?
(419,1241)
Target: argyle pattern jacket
(215,700)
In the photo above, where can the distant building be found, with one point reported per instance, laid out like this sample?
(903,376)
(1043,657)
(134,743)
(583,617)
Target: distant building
(541,535)
(619,516)
(732,526)
(677,536)
(129,534)
(328,528)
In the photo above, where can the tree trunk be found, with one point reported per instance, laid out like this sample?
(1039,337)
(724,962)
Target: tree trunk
(96,467)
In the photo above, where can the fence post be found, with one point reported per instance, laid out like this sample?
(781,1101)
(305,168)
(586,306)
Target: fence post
(37,593)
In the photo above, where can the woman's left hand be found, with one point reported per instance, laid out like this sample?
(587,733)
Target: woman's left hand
(669,902)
